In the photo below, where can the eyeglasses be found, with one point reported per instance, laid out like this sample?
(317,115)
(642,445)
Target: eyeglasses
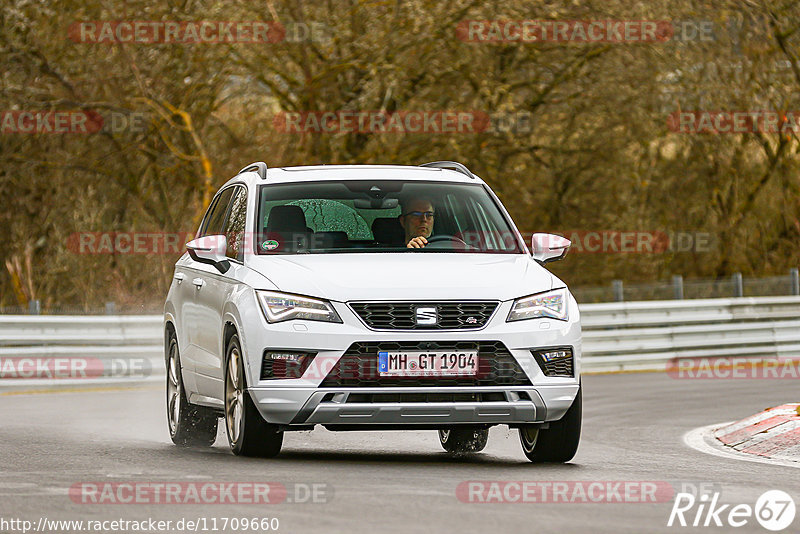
(420,214)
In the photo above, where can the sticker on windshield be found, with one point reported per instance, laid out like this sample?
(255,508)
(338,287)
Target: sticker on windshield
(269,245)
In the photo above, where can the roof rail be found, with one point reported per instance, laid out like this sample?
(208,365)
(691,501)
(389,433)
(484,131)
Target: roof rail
(259,166)
(453,165)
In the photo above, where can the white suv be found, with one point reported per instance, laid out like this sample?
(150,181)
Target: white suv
(300,303)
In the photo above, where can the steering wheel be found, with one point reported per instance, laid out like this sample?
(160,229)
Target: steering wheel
(447,238)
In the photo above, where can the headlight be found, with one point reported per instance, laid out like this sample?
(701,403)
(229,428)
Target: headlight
(552,304)
(283,307)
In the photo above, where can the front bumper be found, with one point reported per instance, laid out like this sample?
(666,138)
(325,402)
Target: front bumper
(332,406)
(302,402)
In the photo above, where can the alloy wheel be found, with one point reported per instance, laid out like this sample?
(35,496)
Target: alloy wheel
(174,393)
(234,394)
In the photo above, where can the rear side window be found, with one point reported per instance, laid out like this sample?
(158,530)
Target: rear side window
(207,216)
(213,224)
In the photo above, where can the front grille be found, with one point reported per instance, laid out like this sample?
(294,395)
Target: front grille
(402,315)
(358,367)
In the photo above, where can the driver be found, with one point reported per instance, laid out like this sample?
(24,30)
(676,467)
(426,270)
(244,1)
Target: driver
(417,221)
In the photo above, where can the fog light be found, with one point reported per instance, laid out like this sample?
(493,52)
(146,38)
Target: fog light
(553,355)
(555,362)
(285,364)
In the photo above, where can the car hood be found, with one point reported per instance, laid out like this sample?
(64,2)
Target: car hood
(405,276)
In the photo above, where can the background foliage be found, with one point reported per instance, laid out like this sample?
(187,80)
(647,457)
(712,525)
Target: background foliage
(598,155)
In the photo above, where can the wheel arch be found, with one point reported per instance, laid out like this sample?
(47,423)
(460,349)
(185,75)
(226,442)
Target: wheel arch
(229,330)
(233,322)
(169,330)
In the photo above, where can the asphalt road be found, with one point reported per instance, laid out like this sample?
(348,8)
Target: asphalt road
(387,482)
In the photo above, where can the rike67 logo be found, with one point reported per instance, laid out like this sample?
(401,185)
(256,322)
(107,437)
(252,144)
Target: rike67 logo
(774,510)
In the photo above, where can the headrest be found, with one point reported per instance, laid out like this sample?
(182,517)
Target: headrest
(387,230)
(286,219)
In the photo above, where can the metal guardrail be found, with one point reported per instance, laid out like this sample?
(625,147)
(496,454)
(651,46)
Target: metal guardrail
(620,336)
(105,349)
(88,330)
(679,288)
(629,336)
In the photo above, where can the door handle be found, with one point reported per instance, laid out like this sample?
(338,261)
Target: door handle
(179,277)
(198,282)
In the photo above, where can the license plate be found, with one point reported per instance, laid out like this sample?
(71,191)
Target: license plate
(419,363)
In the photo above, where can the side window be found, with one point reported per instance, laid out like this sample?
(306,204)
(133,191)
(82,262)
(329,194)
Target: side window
(487,234)
(488,229)
(235,224)
(456,209)
(207,216)
(465,225)
(215,219)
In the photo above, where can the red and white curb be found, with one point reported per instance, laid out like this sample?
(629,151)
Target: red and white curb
(771,436)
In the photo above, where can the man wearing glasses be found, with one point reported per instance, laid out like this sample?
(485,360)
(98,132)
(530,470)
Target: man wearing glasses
(417,221)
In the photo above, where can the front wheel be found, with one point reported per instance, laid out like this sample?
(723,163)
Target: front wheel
(189,425)
(557,444)
(463,440)
(248,433)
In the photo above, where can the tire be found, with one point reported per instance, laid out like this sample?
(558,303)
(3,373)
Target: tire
(248,433)
(461,440)
(557,444)
(189,425)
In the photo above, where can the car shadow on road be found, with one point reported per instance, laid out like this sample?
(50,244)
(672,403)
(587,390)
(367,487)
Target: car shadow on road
(322,455)
(341,457)
(410,458)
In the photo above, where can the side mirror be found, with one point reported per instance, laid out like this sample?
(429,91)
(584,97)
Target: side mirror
(211,250)
(549,247)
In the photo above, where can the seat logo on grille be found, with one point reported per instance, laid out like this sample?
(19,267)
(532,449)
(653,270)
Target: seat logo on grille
(426,316)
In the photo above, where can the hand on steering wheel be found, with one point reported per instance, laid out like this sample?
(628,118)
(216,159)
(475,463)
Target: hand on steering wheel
(417,242)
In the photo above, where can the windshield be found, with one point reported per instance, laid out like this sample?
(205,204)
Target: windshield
(380,216)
